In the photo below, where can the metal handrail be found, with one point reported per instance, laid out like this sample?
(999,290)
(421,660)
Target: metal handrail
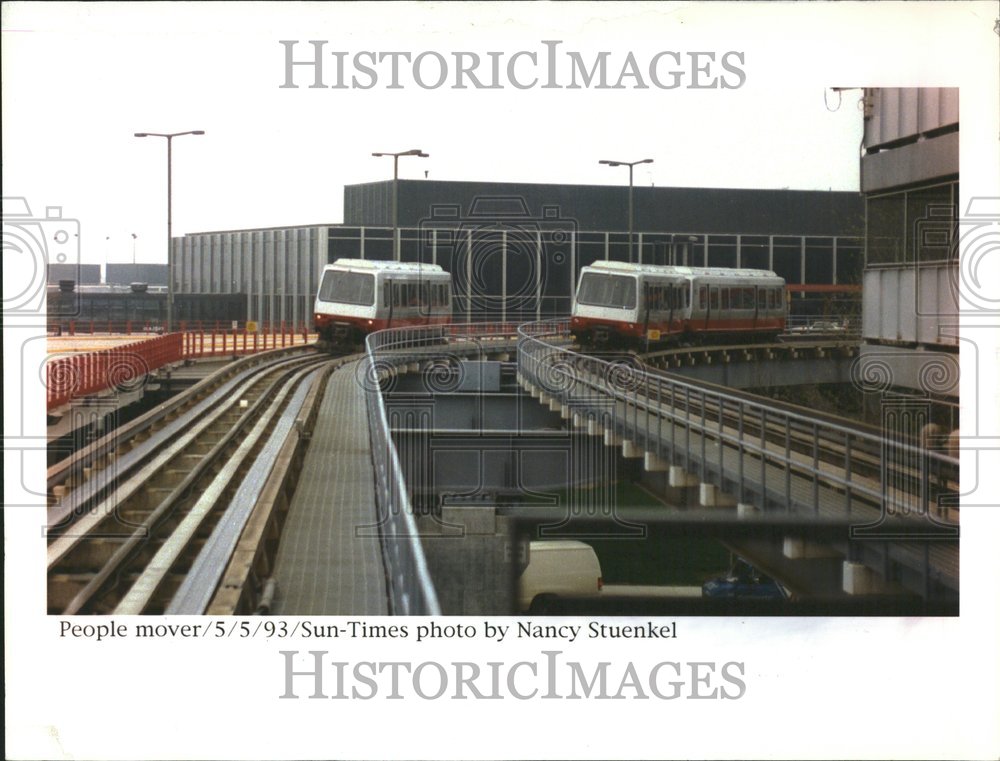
(651,403)
(411,590)
(809,325)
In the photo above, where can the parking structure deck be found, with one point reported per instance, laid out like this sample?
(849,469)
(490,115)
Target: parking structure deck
(325,564)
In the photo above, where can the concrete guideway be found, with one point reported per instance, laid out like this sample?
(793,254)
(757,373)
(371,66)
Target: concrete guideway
(327,564)
(762,460)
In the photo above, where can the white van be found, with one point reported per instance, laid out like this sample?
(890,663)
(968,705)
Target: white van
(564,568)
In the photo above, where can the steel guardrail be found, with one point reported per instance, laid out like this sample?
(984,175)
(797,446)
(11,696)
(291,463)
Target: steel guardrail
(699,429)
(412,589)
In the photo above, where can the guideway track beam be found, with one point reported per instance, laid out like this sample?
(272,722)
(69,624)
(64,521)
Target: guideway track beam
(103,526)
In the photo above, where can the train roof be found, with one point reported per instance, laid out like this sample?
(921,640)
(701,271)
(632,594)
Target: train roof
(668,270)
(385,266)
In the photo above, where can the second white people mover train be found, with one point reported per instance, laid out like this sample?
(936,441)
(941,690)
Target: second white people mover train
(641,302)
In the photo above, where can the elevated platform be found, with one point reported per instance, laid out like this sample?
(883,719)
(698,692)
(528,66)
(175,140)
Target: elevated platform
(326,565)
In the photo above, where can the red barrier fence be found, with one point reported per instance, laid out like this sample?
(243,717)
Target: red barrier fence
(74,327)
(123,368)
(229,343)
(126,367)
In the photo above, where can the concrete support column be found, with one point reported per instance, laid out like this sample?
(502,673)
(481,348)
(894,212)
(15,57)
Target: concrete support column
(594,428)
(631,450)
(745,510)
(710,495)
(680,478)
(473,576)
(611,439)
(473,519)
(654,464)
(802,549)
(859,579)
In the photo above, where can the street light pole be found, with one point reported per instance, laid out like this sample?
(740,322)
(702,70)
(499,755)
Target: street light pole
(170,268)
(629,164)
(395,185)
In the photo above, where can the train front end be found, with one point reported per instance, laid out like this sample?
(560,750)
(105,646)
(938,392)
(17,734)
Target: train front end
(606,308)
(344,310)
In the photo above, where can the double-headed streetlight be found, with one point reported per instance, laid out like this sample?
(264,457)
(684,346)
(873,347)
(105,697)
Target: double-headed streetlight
(629,164)
(395,184)
(170,269)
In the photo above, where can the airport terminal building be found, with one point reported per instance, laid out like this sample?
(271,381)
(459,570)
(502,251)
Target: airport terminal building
(515,249)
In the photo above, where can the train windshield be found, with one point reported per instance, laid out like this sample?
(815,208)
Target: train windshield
(599,290)
(348,288)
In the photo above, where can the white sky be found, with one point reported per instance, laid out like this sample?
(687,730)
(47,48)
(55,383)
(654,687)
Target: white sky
(80,79)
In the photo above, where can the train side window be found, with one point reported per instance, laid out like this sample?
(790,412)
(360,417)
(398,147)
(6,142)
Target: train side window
(715,298)
(761,299)
(702,297)
(385,293)
(725,298)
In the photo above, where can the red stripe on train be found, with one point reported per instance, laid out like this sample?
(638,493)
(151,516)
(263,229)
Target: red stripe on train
(694,325)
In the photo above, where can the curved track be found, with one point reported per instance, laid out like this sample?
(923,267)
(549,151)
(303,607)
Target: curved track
(146,519)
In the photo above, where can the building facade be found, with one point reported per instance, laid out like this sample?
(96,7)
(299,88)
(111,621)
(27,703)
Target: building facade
(515,250)
(910,181)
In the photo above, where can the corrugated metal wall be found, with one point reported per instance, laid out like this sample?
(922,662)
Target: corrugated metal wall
(521,271)
(277,269)
(605,208)
(901,113)
(909,175)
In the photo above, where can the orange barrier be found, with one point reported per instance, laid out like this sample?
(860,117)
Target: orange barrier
(228,343)
(122,368)
(75,327)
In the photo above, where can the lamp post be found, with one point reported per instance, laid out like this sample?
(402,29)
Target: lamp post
(170,269)
(395,183)
(629,164)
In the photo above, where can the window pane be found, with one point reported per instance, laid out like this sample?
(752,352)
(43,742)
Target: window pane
(885,229)
(348,288)
(607,290)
